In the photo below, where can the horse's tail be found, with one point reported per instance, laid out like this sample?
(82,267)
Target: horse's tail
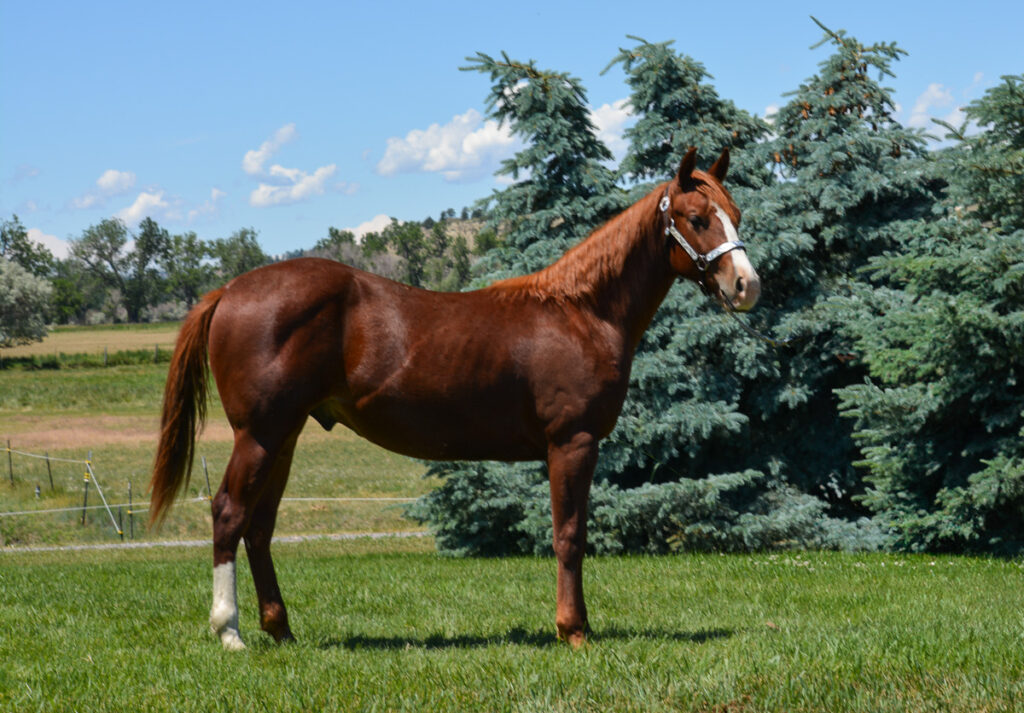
(184,410)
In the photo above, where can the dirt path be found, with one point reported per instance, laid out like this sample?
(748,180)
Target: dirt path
(39,432)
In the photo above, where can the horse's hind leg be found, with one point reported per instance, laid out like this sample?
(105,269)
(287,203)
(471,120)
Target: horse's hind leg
(273,616)
(250,474)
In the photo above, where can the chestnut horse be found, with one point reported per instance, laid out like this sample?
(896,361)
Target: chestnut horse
(530,368)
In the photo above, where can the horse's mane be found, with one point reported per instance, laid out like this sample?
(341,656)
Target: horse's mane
(602,255)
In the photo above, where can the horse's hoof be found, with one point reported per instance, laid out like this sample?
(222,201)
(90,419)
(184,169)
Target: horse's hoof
(231,640)
(278,631)
(574,637)
(577,640)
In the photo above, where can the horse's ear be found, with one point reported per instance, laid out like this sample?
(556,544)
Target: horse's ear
(720,167)
(687,165)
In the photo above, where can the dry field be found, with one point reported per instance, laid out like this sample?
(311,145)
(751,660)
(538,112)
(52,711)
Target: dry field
(93,340)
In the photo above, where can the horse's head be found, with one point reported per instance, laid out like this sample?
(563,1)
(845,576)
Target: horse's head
(700,220)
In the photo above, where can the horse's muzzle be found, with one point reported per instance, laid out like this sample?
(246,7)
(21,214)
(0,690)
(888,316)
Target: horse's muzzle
(738,284)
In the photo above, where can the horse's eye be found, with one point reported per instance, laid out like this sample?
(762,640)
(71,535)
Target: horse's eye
(696,222)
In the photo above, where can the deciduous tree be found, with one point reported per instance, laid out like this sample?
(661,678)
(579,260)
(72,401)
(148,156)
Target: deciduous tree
(24,302)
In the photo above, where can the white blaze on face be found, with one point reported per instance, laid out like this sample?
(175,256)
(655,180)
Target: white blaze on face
(741,284)
(224,613)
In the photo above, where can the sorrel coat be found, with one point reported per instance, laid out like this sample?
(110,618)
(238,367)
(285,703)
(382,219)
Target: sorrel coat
(531,368)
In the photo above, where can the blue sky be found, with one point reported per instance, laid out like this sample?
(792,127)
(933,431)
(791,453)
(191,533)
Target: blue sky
(289,118)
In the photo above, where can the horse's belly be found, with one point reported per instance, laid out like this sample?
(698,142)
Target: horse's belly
(438,429)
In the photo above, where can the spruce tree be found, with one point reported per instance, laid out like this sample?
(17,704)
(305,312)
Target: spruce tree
(851,180)
(941,330)
(562,187)
(987,168)
(677,108)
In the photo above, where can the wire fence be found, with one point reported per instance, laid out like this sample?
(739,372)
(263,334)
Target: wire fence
(88,476)
(130,508)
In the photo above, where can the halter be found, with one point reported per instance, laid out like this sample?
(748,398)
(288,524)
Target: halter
(701,261)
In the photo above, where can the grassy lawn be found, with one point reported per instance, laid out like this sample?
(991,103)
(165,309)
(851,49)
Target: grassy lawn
(391,626)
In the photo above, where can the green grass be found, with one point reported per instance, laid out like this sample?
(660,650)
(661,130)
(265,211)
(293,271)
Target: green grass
(389,626)
(128,388)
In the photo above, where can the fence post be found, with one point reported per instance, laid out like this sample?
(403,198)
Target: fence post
(85,496)
(10,461)
(131,515)
(49,470)
(104,356)
(120,523)
(209,495)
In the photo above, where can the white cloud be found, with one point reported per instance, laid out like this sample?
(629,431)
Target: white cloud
(469,146)
(373,225)
(209,206)
(148,204)
(301,187)
(55,245)
(252,162)
(465,148)
(284,185)
(611,120)
(111,183)
(289,174)
(935,98)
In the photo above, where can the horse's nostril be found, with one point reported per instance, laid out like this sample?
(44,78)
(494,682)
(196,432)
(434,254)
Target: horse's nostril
(739,285)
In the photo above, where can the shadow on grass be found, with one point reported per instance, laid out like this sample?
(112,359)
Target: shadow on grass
(541,638)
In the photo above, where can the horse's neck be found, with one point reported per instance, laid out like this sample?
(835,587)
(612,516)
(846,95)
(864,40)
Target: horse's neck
(620,272)
(635,281)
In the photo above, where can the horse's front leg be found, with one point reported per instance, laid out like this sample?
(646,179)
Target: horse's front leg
(570,469)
